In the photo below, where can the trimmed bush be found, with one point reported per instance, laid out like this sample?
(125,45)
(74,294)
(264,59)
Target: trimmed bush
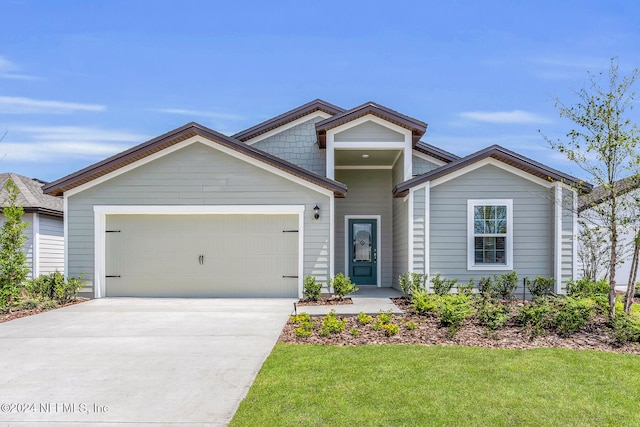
(453,310)
(536,317)
(573,314)
(424,303)
(342,285)
(493,315)
(506,284)
(442,286)
(311,289)
(587,288)
(626,328)
(411,283)
(540,286)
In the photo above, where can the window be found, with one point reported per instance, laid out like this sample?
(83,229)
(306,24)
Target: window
(490,231)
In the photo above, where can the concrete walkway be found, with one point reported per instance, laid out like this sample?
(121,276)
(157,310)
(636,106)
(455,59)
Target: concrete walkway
(368,299)
(136,361)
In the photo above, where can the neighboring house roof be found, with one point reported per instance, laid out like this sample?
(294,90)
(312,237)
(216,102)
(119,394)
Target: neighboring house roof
(289,116)
(416,126)
(499,153)
(173,137)
(436,152)
(30,195)
(602,193)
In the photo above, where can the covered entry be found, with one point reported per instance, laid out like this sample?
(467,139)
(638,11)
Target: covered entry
(201,255)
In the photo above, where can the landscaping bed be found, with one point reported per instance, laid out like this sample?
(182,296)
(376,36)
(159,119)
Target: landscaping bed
(427,329)
(18,312)
(328,300)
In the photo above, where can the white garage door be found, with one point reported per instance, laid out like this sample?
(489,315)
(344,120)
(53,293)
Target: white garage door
(202,255)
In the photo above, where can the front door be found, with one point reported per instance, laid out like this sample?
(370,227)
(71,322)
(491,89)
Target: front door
(363,251)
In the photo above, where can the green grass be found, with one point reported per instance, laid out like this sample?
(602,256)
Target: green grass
(309,385)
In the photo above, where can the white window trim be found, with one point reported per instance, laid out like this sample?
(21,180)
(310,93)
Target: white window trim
(378,218)
(471,203)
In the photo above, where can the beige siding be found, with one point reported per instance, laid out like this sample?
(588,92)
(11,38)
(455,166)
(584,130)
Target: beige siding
(369,132)
(196,175)
(533,240)
(369,194)
(51,244)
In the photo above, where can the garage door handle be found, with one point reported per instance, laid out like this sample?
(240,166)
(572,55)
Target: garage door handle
(113,276)
(289,277)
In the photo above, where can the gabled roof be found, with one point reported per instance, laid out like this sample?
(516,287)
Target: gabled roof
(289,116)
(173,137)
(499,153)
(30,195)
(436,152)
(601,194)
(416,126)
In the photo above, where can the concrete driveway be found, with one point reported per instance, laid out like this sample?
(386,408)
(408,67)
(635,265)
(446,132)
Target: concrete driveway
(134,360)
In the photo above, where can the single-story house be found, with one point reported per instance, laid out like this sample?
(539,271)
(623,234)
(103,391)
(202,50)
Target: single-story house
(315,191)
(43,213)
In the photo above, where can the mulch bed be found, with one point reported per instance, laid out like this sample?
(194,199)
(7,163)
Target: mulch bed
(595,336)
(324,301)
(16,313)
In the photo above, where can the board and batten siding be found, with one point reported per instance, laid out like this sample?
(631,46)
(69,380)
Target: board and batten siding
(298,146)
(369,194)
(197,175)
(51,244)
(533,239)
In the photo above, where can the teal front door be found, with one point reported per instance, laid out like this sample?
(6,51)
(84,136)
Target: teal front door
(363,251)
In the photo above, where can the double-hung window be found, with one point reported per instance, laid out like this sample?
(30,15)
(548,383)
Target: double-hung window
(490,234)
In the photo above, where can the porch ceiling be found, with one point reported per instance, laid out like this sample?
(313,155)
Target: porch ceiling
(375,157)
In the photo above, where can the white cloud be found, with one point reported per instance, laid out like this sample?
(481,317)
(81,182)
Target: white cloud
(8,70)
(507,117)
(21,105)
(56,143)
(198,113)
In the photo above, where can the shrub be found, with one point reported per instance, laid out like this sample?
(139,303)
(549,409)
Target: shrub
(486,287)
(49,304)
(311,289)
(423,302)
(302,317)
(466,289)
(391,329)
(342,285)
(506,284)
(573,314)
(493,315)
(44,285)
(331,324)
(540,286)
(68,290)
(383,318)
(355,332)
(305,324)
(442,286)
(28,304)
(364,318)
(411,283)
(411,325)
(587,288)
(536,317)
(453,310)
(626,328)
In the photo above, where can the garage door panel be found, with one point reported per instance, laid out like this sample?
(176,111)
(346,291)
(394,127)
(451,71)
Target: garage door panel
(202,255)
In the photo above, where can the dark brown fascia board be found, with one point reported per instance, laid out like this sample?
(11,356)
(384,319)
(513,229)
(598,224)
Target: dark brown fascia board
(600,194)
(175,136)
(499,153)
(417,127)
(289,116)
(436,152)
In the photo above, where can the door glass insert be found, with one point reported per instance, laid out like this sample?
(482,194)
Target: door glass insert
(362,242)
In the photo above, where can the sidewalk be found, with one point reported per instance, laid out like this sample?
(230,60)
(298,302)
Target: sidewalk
(368,299)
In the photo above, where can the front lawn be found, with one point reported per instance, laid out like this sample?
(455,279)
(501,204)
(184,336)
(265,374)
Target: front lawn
(387,385)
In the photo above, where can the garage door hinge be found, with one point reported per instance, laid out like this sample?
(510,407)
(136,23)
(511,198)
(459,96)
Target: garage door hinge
(289,231)
(112,276)
(289,277)
(112,231)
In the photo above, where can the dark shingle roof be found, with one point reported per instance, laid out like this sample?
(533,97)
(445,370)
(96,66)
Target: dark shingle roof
(602,193)
(31,196)
(497,152)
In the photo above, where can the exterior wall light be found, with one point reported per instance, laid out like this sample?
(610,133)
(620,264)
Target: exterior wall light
(316,211)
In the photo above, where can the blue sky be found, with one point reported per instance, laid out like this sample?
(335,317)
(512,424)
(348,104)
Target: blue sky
(82,80)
